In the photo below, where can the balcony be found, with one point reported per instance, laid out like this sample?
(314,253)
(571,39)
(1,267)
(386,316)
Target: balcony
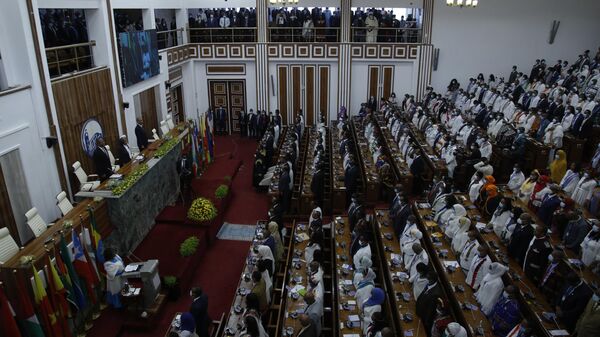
(300,34)
(222,35)
(387,35)
(70,58)
(169,38)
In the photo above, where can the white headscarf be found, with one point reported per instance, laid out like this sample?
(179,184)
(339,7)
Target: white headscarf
(455,330)
(264,252)
(491,287)
(460,235)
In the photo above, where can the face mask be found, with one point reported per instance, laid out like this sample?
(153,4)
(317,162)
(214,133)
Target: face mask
(596,298)
(504,294)
(595,228)
(586,175)
(191,295)
(556,157)
(550,258)
(562,205)
(520,222)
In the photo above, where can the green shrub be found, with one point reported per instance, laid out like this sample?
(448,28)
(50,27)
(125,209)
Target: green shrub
(201,210)
(169,281)
(221,191)
(189,246)
(130,180)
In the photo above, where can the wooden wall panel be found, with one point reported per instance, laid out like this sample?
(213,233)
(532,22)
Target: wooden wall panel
(296,90)
(388,81)
(78,99)
(373,81)
(149,110)
(311,115)
(324,92)
(7,218)
(283,97)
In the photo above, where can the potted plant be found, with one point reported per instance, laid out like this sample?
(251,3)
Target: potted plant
(221,191)
(171,284)
(202,210)
(189,246)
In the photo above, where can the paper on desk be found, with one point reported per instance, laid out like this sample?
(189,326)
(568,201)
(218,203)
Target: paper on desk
(137,291)
(430,223)
(480,225)
(559,333)
(351,335)
(395,256)
(408,333)
(131,267)
(424,205)
(348,282)
(354,318)
(303,237)
(116,176)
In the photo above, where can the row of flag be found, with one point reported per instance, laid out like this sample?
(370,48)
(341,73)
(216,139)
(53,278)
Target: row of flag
(73,281)
(202,143)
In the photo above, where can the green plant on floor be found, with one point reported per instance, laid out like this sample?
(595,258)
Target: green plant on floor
(201,210)
(189,246)
(169,281)
(221,191)
(130,180)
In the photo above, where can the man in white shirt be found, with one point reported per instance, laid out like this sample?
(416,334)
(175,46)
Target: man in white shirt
(516,179)
(224,21)
(469,251)
(478,268)
(419,257)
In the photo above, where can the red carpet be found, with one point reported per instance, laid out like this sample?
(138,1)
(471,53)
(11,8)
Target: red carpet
(219,270)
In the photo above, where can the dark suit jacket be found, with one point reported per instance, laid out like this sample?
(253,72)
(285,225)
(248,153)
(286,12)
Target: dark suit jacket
(102,163)
(519,242)
(310,331)
(547,209)
(123,155)
(585,131)
(142,138)
(199,309)
(537,259)
(399,221)
(426,304)
(317,184)
(284,183)
(572,303)
(350,179)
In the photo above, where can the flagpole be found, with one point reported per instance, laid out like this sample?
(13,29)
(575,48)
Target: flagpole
(95,306)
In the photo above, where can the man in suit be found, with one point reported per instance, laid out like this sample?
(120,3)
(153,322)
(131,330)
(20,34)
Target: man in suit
(350,180)
(572,301)
(243,124)
(589,321)
(520,238)
(550,203)
(252,123)
(102,160)
(123,152)
(221,120)
(417,168)
(184,168)
(317,185)
(309,328)
(140,135)
(285,192)
(553,279)
(536,256)
(428,299)
(199,309)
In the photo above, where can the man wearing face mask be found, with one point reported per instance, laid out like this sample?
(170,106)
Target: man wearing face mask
(420,256)
(583,189)
(575,232)
(469,251)
(536,256)
(478,268)
(506,312)
(199,309)
(553,279)
(588,324)
(364,249)
(572,301)
(520,238)
(550,203)
(590,247)
(516,179)
(427,300)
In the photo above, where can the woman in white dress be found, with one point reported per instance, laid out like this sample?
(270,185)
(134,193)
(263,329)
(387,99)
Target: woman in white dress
(461,236)
(501,216)
(528,185)
(583,189)
(590,247)
(491,287)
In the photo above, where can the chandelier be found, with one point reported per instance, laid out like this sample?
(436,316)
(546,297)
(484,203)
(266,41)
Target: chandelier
(462,3)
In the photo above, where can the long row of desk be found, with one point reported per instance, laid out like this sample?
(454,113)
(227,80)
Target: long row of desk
(372,183)
(393,153)
(338,193)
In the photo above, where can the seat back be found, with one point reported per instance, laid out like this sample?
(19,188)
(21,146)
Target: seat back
(155,135)
(79,173)
(35,222)
(110,155)
(170,123)
(164,128)
(8,246)
(64,204)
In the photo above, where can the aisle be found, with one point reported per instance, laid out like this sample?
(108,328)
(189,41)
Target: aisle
(219,270)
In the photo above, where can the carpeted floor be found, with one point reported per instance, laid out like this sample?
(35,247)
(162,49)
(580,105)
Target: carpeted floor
(219,270)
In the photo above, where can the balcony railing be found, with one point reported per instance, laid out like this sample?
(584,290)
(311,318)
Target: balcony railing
(70,58)
(387,35)
(300,34)
(222,35)
(169,38)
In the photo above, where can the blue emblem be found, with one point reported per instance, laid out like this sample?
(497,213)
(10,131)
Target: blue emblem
(91,131)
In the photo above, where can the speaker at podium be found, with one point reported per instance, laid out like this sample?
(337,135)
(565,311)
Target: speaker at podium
(146,274)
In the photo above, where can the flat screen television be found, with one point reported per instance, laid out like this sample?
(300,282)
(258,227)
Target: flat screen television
(139,56)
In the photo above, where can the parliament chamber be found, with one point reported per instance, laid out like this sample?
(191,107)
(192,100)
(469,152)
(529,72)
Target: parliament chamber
(299,168)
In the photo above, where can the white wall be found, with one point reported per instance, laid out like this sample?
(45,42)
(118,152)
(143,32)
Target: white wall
(501,33)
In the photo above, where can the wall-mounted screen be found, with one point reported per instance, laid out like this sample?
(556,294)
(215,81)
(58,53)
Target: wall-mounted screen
(139,56)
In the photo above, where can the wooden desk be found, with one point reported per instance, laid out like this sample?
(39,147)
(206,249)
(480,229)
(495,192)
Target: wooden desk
(338,195)
(364,158)
(306,195)
(400,167)
(397,288)
(473,318)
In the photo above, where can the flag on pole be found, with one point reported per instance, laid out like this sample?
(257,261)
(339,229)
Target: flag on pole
(83,267)
(58,296)
(25,313)
(42,301)
(8,324)
(209,140)
(97,243)
(194,154)
(78,297)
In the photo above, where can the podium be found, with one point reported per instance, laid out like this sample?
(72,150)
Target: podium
(145,273)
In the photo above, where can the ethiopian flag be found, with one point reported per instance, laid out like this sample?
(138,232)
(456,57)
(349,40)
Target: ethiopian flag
(42,301)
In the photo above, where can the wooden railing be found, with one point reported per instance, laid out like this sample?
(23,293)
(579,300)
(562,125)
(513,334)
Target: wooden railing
(70,58)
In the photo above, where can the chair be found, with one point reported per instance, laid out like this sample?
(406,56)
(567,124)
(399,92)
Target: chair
(86,182)
(35,222)
(115,168)
(169,121)
(155,136)
(8,246)
(63,203)
(164,128)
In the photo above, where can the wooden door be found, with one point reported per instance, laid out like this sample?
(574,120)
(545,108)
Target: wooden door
(231,94)
(7,218)
(149,110)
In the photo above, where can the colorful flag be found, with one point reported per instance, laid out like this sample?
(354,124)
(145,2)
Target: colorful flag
(97,244)
(25,313)
(83,267)
(209,141)
(42,301)
(8,325)
(78,297)
(58,295)
(194,154)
